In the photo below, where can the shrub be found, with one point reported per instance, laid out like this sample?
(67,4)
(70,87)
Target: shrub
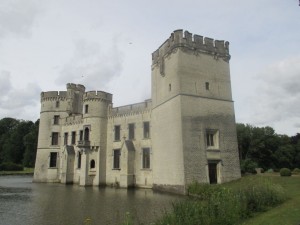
(285,172)
(9,166)
(248,166)
(296,171)
(270,171)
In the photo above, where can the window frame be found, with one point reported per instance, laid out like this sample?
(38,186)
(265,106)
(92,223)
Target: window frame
(53,159)
(146,132)
(73,138)
(54,138)
(117,132)
(212,139)
(116,159)
(131,131)
(56,120)
(146,158)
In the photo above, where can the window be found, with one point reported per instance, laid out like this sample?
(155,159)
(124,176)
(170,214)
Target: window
(117,133)
(81,135)
(56,119)
(53,159)
(146,130)
(79,160)
(92,164)
(207,85)
(73,137)
(170,87)
(57,104)
(116,158)
(86,134)
(131,131)
(212,139)
(66,139)
(86,109)
(54,140)
(146,158)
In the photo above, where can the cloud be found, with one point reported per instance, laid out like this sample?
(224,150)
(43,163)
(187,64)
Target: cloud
(17,17)
(18,103)
(92,65)
(276,99)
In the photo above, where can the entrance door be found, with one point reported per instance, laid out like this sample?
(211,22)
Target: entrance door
(212,172)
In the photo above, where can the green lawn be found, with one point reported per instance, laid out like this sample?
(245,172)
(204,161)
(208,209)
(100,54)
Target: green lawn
(287,213)
(23,172)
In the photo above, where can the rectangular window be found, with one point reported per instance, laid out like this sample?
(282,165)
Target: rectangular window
(79,160)
(146,158)
(56,119)
(116,158)
(53,159)
(81,135)
(54,140)
(207,86)
(86,109)
(73,137)
(131,131)
(57,104)
(66,138)
(117,133)
(146,130)
(212,139)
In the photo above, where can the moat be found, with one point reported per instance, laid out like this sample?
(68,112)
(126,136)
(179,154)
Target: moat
(27,203)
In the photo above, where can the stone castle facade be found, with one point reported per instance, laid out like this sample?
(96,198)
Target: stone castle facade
(186,132)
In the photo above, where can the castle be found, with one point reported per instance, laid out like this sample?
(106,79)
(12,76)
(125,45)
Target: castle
(186,132)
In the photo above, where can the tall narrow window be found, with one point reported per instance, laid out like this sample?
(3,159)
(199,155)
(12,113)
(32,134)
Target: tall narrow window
(53,159)
(212,139)
(86,134)
(56,119)
(86,109)
(92,164)
(79,160)
(57,104)
(81,135)
(116,158)
(207,86)
(146,129)
(146,158)
(54,139)
(170,87)
(66,139)
(131,131)
(117,133)
(73,137)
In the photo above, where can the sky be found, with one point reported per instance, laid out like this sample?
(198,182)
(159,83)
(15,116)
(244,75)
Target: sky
(107,45)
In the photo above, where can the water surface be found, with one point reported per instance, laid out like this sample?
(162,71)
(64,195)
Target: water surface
(25,203)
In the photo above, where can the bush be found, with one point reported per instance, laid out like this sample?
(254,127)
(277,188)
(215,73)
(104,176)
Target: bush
(9,166)
(270,171)
(296,171)
(248,166)
(285,172)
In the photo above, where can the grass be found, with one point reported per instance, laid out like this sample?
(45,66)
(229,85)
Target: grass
(287,213)
(26,171)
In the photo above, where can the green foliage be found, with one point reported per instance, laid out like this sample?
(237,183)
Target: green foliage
(285,172)
(18,141)
(248,166)
(10,166)
(296,171)
(218,204)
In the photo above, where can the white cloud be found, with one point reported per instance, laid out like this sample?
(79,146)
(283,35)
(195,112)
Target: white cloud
(17,17)
(92,64)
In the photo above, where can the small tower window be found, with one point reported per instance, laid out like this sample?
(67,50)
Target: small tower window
(92,164)
(207,86)
(170,87)
(86,109)
(56,120)
(86,134)
(57,104)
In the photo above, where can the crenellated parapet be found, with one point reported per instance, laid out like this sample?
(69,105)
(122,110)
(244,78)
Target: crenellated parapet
(76,87)
(196,43)
(133,109)
(73,120)
(53,95)
(97,96)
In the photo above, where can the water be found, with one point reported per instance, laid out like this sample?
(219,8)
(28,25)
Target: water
(25,203)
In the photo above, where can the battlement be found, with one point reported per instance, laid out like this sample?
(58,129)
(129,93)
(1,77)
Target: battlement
(193,42)
(134,108)
(89,95)
(76,87)
(53,94)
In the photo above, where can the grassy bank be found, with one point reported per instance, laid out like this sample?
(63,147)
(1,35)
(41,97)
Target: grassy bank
(26,171)
(261,199)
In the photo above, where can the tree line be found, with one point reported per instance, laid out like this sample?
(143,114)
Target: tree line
(262,147)
(258,146)
(18,143)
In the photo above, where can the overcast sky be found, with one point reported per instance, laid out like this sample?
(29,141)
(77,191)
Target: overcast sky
(107,45)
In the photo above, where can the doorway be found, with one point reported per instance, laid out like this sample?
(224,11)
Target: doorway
(212,173)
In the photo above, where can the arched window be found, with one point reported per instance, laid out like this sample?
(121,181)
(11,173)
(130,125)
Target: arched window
(92,164)
(86,134)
